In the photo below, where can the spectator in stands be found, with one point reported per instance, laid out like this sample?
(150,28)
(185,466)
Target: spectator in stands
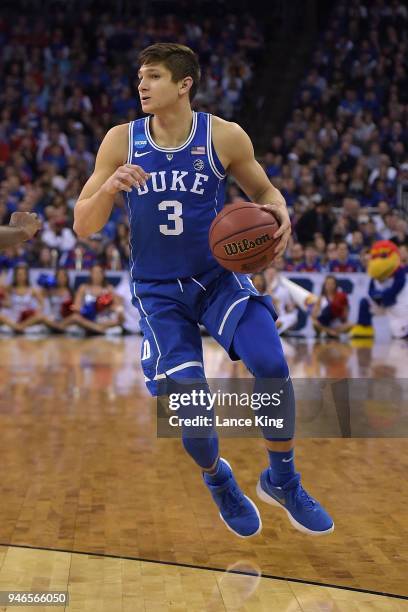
(45,258)
(364,258)
(352,100)
(282,301)
(272,164)
(207,93)
(54,289)
(355,243)
(96,307)
(390,226)
(401,232)
(22,303)
(350,214)
(122,242)
(53,147)
(294,256)
(131,317)
(59,296)
(343,262)
(81,154)
(358,180)
(7,321)
(12,256)
(311,261)
(331,311)
(383,209)
(331,254)
(58,236)
(111,257)
(315,220)
(369,231)
(320,246)
(86,253)
(403,249)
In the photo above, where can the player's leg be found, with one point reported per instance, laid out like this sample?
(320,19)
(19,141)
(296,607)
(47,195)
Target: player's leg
(200,441)
(257,343)
(172,361)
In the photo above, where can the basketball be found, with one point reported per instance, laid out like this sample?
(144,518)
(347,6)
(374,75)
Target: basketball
(241,237)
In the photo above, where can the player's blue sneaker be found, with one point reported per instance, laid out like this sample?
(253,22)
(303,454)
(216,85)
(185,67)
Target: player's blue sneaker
(304,512)
(238,512)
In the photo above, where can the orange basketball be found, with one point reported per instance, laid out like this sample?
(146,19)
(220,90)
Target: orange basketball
(241,237)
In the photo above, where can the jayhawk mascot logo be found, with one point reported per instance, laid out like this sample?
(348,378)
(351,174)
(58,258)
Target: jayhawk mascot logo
(387,292)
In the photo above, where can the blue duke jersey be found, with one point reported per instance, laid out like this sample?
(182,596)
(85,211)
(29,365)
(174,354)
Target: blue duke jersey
(176,282)
(171,215)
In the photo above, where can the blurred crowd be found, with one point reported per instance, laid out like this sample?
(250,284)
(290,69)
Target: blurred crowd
(66,79)
(343,151)
(54,303)
(329,311)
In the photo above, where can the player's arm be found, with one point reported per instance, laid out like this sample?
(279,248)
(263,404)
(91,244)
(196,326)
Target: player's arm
(11,236)
(237,153)
(23,226)
(110,176)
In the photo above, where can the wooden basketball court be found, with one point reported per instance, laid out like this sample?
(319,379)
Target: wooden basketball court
(93,503)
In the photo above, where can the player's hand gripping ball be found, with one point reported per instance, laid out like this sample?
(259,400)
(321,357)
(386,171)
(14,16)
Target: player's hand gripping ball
(241,237)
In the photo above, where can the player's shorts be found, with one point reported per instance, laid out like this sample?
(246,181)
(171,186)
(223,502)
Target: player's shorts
(171,314)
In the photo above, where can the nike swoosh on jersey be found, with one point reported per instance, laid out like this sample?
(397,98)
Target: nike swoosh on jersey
(141,154)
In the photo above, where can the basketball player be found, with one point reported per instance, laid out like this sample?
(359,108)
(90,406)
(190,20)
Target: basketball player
(23,226)
(172,167)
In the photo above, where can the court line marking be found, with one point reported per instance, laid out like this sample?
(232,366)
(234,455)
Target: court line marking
(210,569)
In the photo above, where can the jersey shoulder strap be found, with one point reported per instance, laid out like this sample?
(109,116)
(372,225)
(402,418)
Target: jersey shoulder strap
(137,137)
(215,163)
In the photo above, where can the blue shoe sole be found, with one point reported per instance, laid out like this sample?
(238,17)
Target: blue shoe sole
(268,499)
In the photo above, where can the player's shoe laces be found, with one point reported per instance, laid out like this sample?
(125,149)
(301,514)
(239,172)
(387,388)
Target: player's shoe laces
(238,512)
(304,512)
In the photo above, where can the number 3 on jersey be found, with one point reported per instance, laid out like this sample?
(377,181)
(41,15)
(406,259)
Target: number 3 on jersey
(174,216)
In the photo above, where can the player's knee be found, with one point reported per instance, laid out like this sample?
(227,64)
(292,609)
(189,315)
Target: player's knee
(200,442)
(184,380)
(272,365)
(204,451)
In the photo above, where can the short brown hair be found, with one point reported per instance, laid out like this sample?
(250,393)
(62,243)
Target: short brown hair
(180,60)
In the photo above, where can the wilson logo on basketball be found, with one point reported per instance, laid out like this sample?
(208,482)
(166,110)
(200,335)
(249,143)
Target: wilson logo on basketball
(232,248)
